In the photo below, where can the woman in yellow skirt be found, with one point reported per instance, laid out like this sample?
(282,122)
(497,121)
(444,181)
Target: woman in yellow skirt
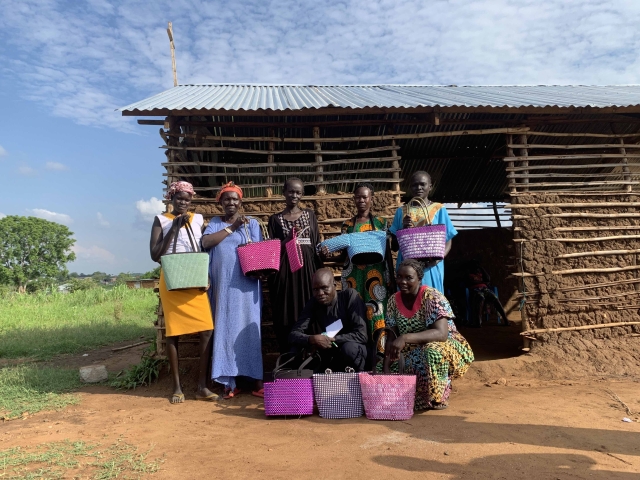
(185,311)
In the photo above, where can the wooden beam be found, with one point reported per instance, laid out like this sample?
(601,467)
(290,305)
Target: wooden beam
(327,182)
(573,147)
(369,138)
(597,253)
(581,327)
(571,167)
(173,54)
(248,166)
(319,178)
(283,152)
(573,205)
(495,212)
(317,146)
(585,156)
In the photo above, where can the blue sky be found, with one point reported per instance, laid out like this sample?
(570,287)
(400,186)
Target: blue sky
(65,155)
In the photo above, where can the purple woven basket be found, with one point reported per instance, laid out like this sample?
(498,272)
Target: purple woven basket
(427,241)
(292,397)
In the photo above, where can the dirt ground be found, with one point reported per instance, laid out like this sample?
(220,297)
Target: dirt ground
(528,427)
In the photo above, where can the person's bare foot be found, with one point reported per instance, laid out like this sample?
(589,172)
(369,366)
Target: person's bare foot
(206,395)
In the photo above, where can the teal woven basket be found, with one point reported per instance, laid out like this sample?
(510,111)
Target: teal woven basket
(367,248)
(185,270)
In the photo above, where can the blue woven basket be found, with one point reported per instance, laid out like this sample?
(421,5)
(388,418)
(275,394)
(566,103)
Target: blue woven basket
(367,248)
(337,243)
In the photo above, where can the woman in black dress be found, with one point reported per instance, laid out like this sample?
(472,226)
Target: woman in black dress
(291,291)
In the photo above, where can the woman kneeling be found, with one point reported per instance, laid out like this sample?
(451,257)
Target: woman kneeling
(433,348)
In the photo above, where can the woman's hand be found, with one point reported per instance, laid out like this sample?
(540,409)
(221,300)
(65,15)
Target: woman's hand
(396,347)
(324,252)
(406,222)
(241,220)
(180,221)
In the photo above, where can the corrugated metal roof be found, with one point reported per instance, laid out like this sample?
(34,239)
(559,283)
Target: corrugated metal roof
(250,97)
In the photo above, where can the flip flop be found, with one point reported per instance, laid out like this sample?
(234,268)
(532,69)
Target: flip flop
(177,398)
(208,398)
(228,393)
(258,393)
(440,406)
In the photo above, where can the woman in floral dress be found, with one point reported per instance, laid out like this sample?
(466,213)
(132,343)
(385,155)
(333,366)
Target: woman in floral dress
(433,348)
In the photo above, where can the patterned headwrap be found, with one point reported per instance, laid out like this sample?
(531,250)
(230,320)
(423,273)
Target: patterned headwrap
(177,187)
(229,187)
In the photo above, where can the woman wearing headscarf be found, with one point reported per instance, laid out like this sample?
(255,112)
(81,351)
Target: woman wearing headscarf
(290,291)
(185,311)
(236,300)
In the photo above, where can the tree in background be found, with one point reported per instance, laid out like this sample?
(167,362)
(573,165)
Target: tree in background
(32,248)
(155,273)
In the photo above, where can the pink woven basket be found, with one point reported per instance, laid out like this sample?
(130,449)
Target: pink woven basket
(424,241)
(258,258)
(388,396)
(294,252)
(288,397)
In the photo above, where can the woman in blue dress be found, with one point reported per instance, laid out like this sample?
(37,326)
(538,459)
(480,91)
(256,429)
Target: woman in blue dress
(236,300)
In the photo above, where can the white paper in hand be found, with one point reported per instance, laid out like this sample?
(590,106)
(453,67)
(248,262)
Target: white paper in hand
(334,328)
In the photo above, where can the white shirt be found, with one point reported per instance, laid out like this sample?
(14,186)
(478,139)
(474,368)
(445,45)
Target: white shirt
(183,244)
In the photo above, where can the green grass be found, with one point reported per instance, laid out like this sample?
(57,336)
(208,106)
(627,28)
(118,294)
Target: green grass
(76,460)
(31,388)
(40,326)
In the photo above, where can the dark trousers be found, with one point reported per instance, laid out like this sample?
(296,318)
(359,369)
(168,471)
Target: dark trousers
(348,354)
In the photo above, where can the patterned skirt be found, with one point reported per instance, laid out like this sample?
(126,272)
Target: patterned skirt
(435,365)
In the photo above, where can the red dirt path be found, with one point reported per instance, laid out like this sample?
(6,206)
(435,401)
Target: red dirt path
(528,428)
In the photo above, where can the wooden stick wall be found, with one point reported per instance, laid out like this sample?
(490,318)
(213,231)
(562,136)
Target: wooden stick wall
(576,220)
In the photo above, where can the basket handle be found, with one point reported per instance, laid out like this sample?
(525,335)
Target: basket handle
(190,234)
(421,204)
(374,364)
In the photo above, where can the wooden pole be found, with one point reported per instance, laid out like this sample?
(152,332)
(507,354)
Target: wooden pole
(625,161)
(495,212)
(270,159)
(524,153)
(319,169)
(581,327)
(510,164)
(396,174)
(173,54)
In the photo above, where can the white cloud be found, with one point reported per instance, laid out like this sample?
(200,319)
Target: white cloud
(2,215)
(93,253)
(26,170)
(65,57)
(55,166)
(3,152)
(102,221)
(51,216)
(147,209)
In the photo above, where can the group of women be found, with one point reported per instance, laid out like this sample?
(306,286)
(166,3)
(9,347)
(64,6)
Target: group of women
(415,309)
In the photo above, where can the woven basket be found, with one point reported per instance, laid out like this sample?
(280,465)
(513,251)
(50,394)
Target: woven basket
(186,270)
(367,248)
(388,396)
(259,258)
(337,243)
(338,395)
(426,241)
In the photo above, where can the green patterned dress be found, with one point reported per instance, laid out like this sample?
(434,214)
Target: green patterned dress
(434,363)
(372,282)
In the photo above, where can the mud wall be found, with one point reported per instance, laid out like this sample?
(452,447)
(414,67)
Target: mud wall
(558,297)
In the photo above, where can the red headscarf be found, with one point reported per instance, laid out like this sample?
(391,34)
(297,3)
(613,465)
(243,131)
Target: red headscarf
(177,187)
(229,187)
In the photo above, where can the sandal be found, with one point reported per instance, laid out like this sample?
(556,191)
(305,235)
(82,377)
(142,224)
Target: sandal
(258,393)
(228,393)
(439,406)
(177,398)
(208,398)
